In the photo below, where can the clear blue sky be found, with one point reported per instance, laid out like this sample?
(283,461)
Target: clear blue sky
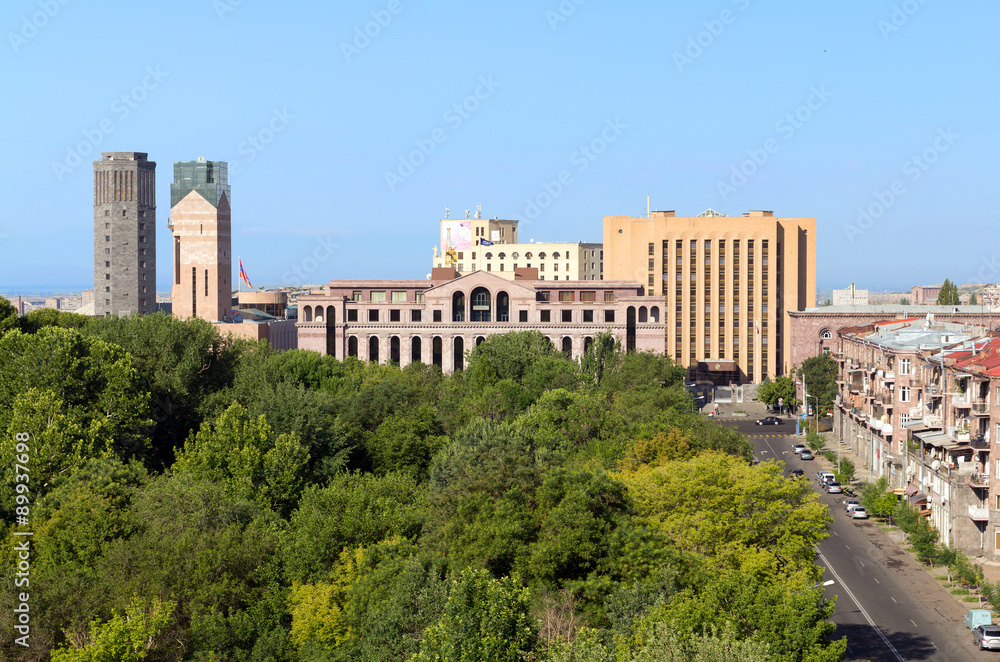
(332,114)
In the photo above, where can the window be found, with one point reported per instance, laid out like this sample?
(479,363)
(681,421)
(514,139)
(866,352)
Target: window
(904,393)
(107,213)
(142,251)
(555,267)
(107,237)
(142,264)
(651,264)
(588,316)
(373,314)
(107,251)
(107,226)
(394,315)
(522,316)
(419,297)
(609,297)
(377,296)
(544,295)
(489,256)
(356,295)
(609,316)
(142,226)
(107,264)
(555,256)
(107,276)
(437,315)
(398,297)
(414,315)
(904,366)
(544,316)
(566,296)
(567,316)
(588,297)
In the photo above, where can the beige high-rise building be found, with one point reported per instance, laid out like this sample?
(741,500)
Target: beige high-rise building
(729,281)
(200,221)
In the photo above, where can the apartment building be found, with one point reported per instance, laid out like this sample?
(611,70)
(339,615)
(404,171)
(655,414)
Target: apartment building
(915,402)
(438,320)
(728,280)
(492,245)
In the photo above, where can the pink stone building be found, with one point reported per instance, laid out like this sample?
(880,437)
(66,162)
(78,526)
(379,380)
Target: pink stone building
(438,321)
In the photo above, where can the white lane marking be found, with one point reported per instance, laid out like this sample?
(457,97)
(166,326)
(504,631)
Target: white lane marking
(861,562)
(893,599)
(860,608)
(915,625)
(847,546)
(876,580)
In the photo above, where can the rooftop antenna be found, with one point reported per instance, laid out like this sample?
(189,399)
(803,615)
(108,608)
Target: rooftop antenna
(447,212)
(479,211)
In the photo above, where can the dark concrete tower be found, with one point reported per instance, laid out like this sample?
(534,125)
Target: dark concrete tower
(124,234)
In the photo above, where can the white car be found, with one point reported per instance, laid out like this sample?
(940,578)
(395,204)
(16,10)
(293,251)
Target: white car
(798,448)
(833,487)
(859,513)
(850,502)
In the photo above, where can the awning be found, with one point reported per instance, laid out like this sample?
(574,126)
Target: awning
(951,444)
(719,366)
(915,426)
(926,512)
(911,490)
(935,439)
(917,498)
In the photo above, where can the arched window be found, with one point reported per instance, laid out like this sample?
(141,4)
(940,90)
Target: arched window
(654,315)
(567,347)
(502,256)
(373,349)
(331,315)
(307,314)
(489,256)
(555,255)
(480,340)
(458,307)
(415,350)
(352,346)
(630,329)
(825,334)
(436,351)
(514,256)
(503,307)
(587,342)
(459,353)
(527,255)
(481,305)
(541,256)
(394,350)
(642,315)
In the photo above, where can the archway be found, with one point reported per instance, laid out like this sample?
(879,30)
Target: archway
(394,350)
(458,307)
(481,305)
(415,350)
(352,346)
(373,349)
(459,353)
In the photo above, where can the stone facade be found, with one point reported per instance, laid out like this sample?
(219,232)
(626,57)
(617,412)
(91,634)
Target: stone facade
(281,334)
(201,224)
(124,234)
(440,321)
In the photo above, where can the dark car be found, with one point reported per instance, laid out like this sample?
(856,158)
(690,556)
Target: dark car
(770,420)
(798,473)
(986,636)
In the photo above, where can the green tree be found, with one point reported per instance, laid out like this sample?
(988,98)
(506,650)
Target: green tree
(717,505)
(845,471)
(507,356)
(905,301)
(820,376)
(948,296)
(485,620)
(782,387)
(127,637)
(8,315)
(248,458)
(973,300)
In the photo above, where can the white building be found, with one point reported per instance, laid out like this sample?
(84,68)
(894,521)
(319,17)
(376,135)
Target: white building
(850,296)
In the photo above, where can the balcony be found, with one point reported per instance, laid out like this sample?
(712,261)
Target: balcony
(977,479)
(932,390)
(979,443)
(980,408)
(979,513)
(889,376)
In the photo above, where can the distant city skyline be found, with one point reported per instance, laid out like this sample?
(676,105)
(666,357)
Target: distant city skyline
(555,115)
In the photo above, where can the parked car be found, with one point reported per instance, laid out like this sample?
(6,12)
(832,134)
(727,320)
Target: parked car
(850,502)
(798,448)
(987,637)
(977,617)
(833,487)
(770,420)
(850,509)
(798,473)
(824,476)
(805,455)
(859,512)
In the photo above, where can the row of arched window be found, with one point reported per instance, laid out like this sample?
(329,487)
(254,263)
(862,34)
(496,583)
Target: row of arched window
(437,348)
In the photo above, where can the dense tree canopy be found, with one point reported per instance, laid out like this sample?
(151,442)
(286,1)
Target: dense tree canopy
(195,497)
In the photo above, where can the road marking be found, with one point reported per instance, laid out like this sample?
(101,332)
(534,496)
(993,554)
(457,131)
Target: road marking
(893,599)
(915,625)
(847,546)
(876,580)
(860,608)
(861,562)
(934,645)
(835,533)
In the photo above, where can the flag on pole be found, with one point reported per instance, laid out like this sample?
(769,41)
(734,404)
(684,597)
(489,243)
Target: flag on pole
(243,275)
(485,242)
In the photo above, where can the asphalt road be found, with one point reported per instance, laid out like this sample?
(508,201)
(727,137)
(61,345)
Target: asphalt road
(889,607)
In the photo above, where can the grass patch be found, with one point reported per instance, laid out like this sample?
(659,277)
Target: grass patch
(970,598)
(959,591)
(941,578)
